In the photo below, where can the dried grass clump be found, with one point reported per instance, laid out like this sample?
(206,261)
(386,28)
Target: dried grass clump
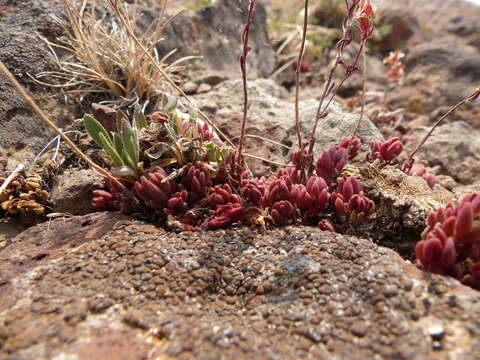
(103,58)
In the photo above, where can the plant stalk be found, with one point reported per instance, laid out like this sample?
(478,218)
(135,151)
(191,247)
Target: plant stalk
(243,67)
(297,78)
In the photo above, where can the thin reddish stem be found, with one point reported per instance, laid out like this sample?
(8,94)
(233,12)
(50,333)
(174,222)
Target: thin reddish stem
(243,67)
(468,99)
(297,79)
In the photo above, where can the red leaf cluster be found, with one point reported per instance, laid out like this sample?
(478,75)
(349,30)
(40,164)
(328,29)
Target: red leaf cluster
(451,243)
(349,200)
(284,198)
(429,178)
(385,151)
(331,162)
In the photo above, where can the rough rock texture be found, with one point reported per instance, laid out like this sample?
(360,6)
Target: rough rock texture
(72,191)
(272,117)
(455,149)
(21,49)
(45,242)
(442,72)
(402,205)
(466,27)
(402,27)
(214,32)
(140,292)
(435,15)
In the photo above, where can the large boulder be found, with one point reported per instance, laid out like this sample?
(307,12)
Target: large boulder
(214,33)
(294,293)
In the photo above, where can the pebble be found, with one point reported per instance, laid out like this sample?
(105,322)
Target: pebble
(190,88)
(203,88)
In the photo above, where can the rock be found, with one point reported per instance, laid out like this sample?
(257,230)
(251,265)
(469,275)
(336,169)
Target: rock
(214,33)
(442,72)
(455,148)
(466,27)
(72,191)
(203,88)
(435,17)
(272,117)
(22,135)
(8,230)
(46,242)
(106,116)
(402,26)
(190,88)
(197,294)
(402,204)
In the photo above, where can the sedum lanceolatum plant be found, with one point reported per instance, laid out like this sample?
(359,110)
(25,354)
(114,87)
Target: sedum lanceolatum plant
(450,244)
(175,166)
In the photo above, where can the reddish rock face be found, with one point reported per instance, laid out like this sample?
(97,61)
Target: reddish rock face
(295,292)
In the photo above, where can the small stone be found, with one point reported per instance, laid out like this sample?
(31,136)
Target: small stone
(190,87)
(437,332)
(359,329)
(72,191)
(136,319)
(209,107)
(99,305)
(203,88)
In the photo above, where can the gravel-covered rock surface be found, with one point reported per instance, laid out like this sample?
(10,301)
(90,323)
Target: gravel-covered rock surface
(139,292)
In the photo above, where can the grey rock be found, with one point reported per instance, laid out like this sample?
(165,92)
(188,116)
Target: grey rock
(449,68)
(21,24)
(455,149)
(466,27)
(273,117)
(214,32)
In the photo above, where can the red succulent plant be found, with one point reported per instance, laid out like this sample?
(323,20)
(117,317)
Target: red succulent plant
(386,151)
(155,189)
(226,215)
(331,162)
(283,212)
(450,245)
